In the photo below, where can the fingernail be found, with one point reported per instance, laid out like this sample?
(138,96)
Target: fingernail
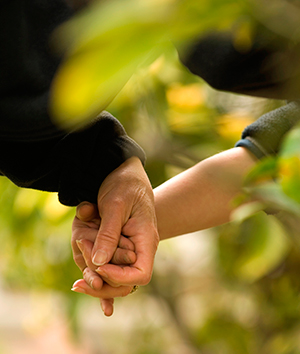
(79,207)
(75,284)
(78,290)
(80,245)
(100,258)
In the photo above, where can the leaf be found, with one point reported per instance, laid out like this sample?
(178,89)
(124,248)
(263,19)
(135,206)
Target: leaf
(266,247)
(103,57)
(291,144)
(289,165)
(273,196)
(252,248)
(245,211)
(265,170)
(289,174)
(105,44)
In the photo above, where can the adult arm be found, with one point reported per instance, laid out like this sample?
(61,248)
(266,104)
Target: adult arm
(73,165)
(37,154)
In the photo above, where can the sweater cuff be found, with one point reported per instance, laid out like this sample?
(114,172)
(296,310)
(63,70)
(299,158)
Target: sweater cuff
(265,135)
(251,145)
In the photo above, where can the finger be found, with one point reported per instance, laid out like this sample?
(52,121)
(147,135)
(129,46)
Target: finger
(108,236)
(126,243)
(77,254)
(140,272)
(79,259)
(86,211)
(86,247)
(123,276)
(107,306)
(92,279)
(82,230)
(106,292)
(123,257)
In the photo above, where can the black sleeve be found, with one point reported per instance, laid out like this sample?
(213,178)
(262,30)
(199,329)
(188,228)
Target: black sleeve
(269,68)
(74,165)
(34,152)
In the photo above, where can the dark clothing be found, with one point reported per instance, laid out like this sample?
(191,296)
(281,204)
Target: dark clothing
(270,68)
(36,153)
(264,136)
(74,165)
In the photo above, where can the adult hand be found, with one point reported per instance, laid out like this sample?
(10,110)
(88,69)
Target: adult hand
(85,228)
(125,207)
(86,224)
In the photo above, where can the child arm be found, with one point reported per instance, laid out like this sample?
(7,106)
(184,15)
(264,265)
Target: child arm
(201,197)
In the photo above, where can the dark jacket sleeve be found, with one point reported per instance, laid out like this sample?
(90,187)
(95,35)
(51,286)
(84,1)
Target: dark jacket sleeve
(269,68)
(74,165)
(34,152)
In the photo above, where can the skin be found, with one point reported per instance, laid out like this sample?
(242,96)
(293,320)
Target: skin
(198,198)
(126,209)
(201,197)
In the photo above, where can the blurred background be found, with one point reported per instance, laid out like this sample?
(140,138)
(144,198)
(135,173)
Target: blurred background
(234,289)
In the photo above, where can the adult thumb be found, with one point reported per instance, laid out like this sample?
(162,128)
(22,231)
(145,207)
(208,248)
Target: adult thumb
(108,237)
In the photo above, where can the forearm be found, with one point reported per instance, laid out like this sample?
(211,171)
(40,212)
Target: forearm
(201,197)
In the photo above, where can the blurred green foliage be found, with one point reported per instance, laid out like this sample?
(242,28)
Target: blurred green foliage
(108,41)
(178,120)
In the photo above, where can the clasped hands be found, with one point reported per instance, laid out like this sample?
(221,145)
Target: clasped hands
(114,242)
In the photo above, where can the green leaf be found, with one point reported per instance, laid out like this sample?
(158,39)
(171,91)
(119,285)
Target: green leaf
(265,170)
(266,247)
(272,195)
(289,165)
(102,56)
(253,248)
(245,211)
(291,144)
(105,44)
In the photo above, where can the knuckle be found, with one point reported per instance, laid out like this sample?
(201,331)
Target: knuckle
(118,202)
(123,257)
(85,273)
(109,236)
(88,277)
(125,243)
(126,259)
(129,258)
